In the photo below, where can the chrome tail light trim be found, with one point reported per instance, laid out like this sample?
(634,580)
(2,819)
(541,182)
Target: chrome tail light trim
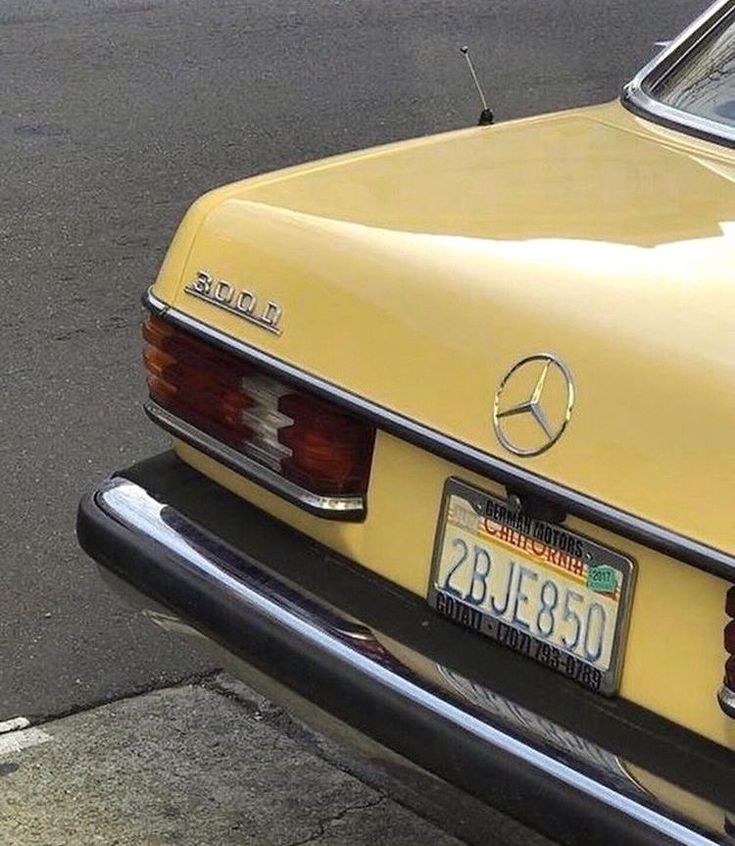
(346,508)
(726,698)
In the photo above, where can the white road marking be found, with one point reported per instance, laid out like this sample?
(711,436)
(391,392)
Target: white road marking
(13,741)
(14,725)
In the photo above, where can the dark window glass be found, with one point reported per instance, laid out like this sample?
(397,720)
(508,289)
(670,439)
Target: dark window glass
(703,83)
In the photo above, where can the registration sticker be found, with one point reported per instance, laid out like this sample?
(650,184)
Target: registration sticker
(554,595)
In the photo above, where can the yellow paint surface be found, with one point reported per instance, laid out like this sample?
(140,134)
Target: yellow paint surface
(418,273)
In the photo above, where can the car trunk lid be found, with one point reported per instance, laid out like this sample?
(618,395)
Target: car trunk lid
(418,277)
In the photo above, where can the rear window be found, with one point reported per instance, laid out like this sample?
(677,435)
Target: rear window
(703,82)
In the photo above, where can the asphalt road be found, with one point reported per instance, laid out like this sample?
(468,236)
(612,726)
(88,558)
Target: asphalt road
(114,116)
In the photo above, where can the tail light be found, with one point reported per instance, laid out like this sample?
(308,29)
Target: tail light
(727,693)
(301,438)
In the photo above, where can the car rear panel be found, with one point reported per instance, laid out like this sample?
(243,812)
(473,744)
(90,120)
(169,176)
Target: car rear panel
(421,300)
(674,659)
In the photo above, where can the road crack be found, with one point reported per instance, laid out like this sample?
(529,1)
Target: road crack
(324,824)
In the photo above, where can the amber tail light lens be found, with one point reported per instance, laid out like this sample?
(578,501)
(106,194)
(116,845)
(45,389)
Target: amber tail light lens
(307,440)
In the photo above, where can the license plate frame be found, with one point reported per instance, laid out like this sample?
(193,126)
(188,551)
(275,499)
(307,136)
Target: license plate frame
(580,556)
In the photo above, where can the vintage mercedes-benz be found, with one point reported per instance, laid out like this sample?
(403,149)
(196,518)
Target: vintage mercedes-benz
(453,463)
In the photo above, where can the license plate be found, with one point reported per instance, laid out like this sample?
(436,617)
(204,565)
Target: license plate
(551,594)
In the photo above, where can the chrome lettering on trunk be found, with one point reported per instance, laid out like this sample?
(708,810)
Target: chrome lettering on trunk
(241,302)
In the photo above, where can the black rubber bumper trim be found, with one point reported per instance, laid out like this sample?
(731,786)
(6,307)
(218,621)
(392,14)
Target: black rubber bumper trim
(337,684)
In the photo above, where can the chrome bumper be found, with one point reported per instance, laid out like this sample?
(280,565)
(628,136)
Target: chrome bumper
(382,688)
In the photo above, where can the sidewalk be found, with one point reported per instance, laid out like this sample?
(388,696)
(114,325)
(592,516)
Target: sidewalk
(186,766)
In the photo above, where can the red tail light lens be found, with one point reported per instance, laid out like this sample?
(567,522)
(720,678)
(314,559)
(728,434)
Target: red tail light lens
(328,448)
(729,639)
(730,672)
(309,441)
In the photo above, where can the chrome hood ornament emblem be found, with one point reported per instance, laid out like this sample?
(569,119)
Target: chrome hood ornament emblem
(533,404)
(237,301)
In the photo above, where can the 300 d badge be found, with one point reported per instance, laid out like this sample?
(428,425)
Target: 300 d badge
(238,301)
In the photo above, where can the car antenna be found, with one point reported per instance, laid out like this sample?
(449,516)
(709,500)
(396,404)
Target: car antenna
(486,115)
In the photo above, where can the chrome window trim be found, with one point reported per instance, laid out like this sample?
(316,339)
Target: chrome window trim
(336,507)
(517,479)
(637,94)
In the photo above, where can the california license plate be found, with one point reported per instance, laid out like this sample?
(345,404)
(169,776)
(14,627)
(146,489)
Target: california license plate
(556,596)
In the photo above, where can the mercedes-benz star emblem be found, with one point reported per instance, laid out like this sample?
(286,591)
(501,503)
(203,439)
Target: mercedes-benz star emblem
(533,404)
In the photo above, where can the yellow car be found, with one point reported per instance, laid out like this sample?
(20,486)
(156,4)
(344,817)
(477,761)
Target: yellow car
(453,465)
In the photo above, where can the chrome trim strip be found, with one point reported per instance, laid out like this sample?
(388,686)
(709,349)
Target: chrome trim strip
(330,507)
(636,94)
(201,560)
(726,698)
(685,549)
